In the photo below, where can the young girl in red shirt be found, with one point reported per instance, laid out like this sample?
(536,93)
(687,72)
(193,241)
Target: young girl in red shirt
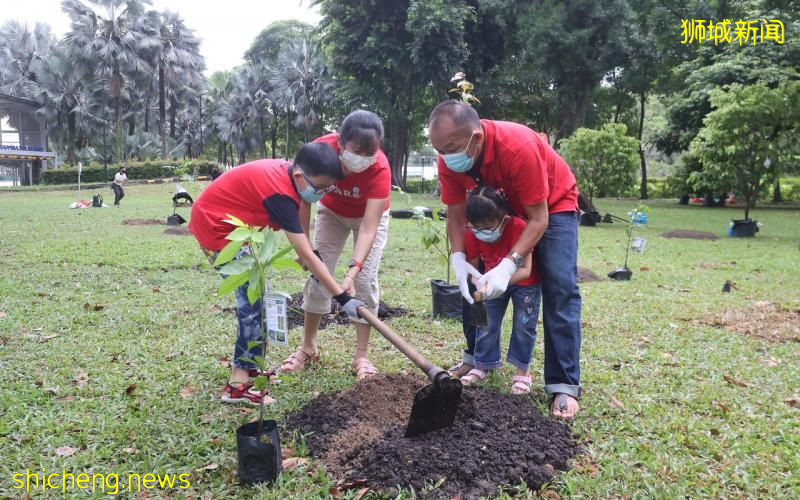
(490,235)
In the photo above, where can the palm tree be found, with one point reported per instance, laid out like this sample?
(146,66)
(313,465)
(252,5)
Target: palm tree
(70,96)
(232,119)
(115,39)
(20,48)
(180,67)
(301,84)
(252,82)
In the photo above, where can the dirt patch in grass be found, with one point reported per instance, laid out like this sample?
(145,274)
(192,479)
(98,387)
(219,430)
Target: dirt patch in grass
(337,316)
(585,275)
(496,440)
(763,320)
(178,231)
(143,222)
(691,235)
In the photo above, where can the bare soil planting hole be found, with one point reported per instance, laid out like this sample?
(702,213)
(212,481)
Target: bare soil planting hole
(178,231)
(337,316)
(143,222)
(497,440)
(691,235)
(764,320)
(586,275)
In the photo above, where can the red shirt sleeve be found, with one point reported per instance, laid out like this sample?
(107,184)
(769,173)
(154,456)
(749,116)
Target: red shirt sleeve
(529,175)
(453,189)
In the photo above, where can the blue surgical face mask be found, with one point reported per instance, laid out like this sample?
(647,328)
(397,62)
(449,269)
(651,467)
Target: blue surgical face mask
(488,235)
(459,162)
(310,196)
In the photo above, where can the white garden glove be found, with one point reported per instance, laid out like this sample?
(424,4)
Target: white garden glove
(496,280)
(463,270)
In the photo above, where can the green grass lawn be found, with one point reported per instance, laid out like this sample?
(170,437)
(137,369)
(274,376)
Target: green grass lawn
(658,419)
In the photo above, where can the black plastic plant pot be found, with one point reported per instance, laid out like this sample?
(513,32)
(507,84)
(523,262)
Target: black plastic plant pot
(621,274)
(406,213)
(175,220)
(746,228)
(589,218)
(446,300)
(259,459)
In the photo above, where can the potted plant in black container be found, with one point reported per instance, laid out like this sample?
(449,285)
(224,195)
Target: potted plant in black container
(624,273)
(446,297)
(258,443)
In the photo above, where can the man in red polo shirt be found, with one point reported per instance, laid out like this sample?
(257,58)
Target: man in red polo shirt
(541,189)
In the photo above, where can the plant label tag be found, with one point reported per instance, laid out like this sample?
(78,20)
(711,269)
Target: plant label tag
(638,244)
(275,319)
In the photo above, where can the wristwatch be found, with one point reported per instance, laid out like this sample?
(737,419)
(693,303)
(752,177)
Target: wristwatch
(516,258)
(354,263)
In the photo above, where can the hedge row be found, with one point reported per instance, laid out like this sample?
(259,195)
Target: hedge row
(135,170)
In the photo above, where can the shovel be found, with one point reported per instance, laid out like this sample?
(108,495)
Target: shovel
(435,405)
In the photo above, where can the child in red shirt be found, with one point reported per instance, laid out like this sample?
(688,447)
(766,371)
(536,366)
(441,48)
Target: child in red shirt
(491,234)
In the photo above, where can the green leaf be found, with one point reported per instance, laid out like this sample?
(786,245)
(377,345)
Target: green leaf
(231,283)
(228,253)
(260,361)
(257,236)
(234,220)
(254,289)
(239,234)
(260,383)
(238,266)
(280,253)
(253,343)
(246,360)
(268,247)
(286,263)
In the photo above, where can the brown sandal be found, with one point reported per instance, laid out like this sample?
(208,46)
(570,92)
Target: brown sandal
(364,369)
(298,361)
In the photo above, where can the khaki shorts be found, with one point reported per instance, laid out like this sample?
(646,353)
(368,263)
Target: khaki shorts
(330,235)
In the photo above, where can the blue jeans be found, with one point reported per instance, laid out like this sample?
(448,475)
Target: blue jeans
(523,331)
(557,258)
(248,317)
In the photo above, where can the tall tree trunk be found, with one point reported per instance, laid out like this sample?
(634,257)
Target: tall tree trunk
(116,84)
(173,110)
(162,110)
(286,151)
(262,134)
(224,153)
(131,125)
(147,115)
(777,197)
(230,150)
(643,187)
(274,133)
(71,138)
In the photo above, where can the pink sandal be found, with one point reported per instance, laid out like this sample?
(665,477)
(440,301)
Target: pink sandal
(364,369)
(475,377)
(521,384)
(299,361)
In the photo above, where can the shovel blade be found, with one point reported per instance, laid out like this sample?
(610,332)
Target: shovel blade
(435,407)
(478,314)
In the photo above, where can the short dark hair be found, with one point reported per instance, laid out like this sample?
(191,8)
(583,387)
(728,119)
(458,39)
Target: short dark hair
(363,128)
(319,159)
(461,114)
(485,204)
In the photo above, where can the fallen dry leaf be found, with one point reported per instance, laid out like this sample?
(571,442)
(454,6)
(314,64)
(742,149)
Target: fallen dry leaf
(721,406)
(772,362)
(44,339)
(335,492)
(616,403)
(550,495)
(173,355)
(734,381)
(215,309)
(361,493)
(208,467)
(156,290)
(762,303)
(643,269)
(51,390)
(224,361)
(97,307)
(3,314)
(187,391)
(793,401)
(130,451)
(81,379)
(66,451)
(131,388)
(287,453)
(293,462)
(216,441)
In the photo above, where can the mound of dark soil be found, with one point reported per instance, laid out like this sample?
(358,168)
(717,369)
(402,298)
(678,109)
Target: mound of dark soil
(143,222)
(178,231)
(691,235)
(497,440)
(337,316)
(585,275)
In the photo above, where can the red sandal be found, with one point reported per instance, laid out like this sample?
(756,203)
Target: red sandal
(244,393)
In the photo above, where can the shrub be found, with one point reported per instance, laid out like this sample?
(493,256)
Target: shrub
(135,170)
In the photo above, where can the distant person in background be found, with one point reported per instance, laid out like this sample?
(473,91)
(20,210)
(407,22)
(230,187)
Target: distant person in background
(215,173)
(181,194)
(120,178)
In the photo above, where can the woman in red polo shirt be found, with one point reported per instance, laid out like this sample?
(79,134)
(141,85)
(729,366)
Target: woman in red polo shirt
(266,193)
(358,205)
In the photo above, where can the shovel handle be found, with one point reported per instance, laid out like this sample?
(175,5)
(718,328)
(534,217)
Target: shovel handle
(396,340)
(478,296)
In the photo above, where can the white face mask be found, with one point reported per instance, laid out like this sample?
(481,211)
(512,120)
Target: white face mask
(356,163)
